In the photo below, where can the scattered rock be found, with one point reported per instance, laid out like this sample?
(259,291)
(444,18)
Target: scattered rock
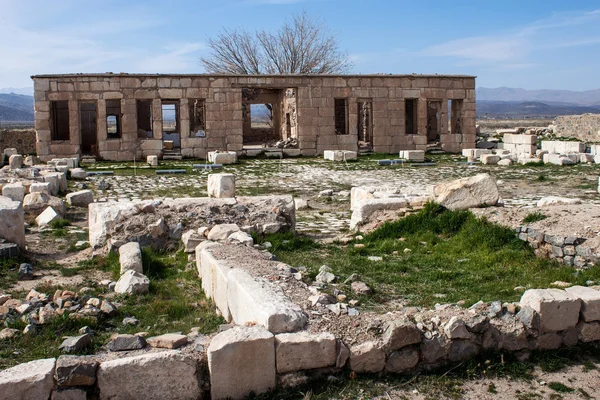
(76,371)
(168,341)
(132,282)
(361,288)
(25,272)
(126,342)
(76,343)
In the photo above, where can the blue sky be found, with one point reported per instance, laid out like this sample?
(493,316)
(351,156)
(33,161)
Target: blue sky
(530,44)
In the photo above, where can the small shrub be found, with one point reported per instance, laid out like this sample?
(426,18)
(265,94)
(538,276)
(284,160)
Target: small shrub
(559,387)
(541,178)
(60,223)
(534,217)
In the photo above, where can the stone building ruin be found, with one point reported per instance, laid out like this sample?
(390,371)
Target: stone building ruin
(122,116)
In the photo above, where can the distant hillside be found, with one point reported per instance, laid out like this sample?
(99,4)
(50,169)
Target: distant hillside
(565,97)
(16,108)
(529,109)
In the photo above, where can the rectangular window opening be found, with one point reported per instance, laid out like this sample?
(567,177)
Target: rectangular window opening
(456,107)
(170,117)
(197,117)
(341,116)
(261,116)
(113,119)
(144,118)
(59,115)
(411,116)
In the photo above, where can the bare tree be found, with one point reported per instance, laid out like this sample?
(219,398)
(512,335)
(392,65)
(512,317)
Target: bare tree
(301,46)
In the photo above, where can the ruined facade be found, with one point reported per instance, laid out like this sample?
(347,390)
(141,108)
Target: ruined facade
(122,116)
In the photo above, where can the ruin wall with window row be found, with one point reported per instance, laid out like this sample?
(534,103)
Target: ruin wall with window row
(80,114)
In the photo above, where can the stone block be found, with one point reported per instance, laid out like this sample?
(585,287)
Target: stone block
(221,185)
(152,161)
(367,358)
(475,153)
(340,155)
(168,341)
(47,217)
(14,191)
(590,302)
(558,310)
(220,157)
(589,331)
(365,208)
(222,231)
(252,300)
(69,394)
(466,193)
(76,371)
(490,159)
(12,223)
(82,198)
(402,360)
(32,380)
(413,155)
(130,257)
(399,334)
(241,361)
(167,375)
(78,173)
(15,161)
(132,282)
(302,350)
(40,187)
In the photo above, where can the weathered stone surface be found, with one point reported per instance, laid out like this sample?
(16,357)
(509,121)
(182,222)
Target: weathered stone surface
(413,155)
(47,217)
(76,371)
(589,331)
(548,341)
(241,237)
(155,376)
(402,360)
(399,334)
(8,250)
(152,161)
(462,350)
(245,356)
(490,159)
(461,194)
(220,157)
(14,191)
(130,257)
(367,357)
(191,239)
(253,300)
(40,187)
(12,223)
(25,272)
(69,394)
(362,210)
(82,198)
(168,341)
(221,185)
(343,354)
(35,203)
(456,329)
(132,282)
(300,351)
(78,173)
(556,201)
(222,231)
(557,309)
(125,342)
(15,161)
(7,333)
(434,349)
(590,302)
(32,380)
(340,155)
(76,343)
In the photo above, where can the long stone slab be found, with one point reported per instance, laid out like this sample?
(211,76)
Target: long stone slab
(32,380)
(558,310)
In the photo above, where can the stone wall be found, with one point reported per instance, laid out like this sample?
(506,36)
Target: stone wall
(314,122)
(584,127)
(568,250)
(21,139)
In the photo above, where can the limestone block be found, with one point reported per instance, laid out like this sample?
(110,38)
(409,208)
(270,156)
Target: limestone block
(475,153)
(69,394)
(557,201)
(340,155)
(191,239)
(12,224)
(214,274)
(102,217)
(78,173)
(402,360)
(241,360)
(35,203)
(490,159)
(254,300)
(14,191)
(82,198)
(15,161)
(241,237)
(558,310)
(465,193)
(130,257)
(76,371)
(47,217)
(152,161)
(364,209)
(413,155)
(519,139)
(40,187)
(590,302)
(367,357)
(10,151)
(222,231)
(302,350)
(220,157)
(168,341)
(589,331)
(399,334)
(32,380)
(154,376)
(132,282)
(221,185)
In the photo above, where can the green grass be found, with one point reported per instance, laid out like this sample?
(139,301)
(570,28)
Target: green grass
(175,303)
(9,270)
(453,254)
(560,387)
(534,217)
(60,223)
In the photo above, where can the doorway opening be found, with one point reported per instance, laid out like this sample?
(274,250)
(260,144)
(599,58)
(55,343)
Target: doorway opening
(365,124)
(434,121)
(89,132)
(456,108)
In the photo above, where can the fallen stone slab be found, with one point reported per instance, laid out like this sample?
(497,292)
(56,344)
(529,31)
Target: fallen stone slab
(220,157)
(461,194)
(76,343)
(15,161)
(32,380)
(490,159)
(130,257)
(82,198)
(302,351)
(47,217)
(132,282)
(168,341)
(245,356)
(340,155)
(590,302)
(43,187)
(152,161)
(12,223)
(365,208)
(413,155)
(557,201)
(557,310)
(124,342)
(167,375)
(221,185)
(76,370)
(78,173)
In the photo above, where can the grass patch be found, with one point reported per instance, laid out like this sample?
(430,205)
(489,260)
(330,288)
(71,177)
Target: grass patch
(59,223)
(559,387)
(452,256)
(534,217)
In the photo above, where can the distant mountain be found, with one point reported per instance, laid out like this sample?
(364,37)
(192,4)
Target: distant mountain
(16,108)
(513,109)
(28,91)
(564,97)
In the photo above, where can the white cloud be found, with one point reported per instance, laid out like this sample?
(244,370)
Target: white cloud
(177,58)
